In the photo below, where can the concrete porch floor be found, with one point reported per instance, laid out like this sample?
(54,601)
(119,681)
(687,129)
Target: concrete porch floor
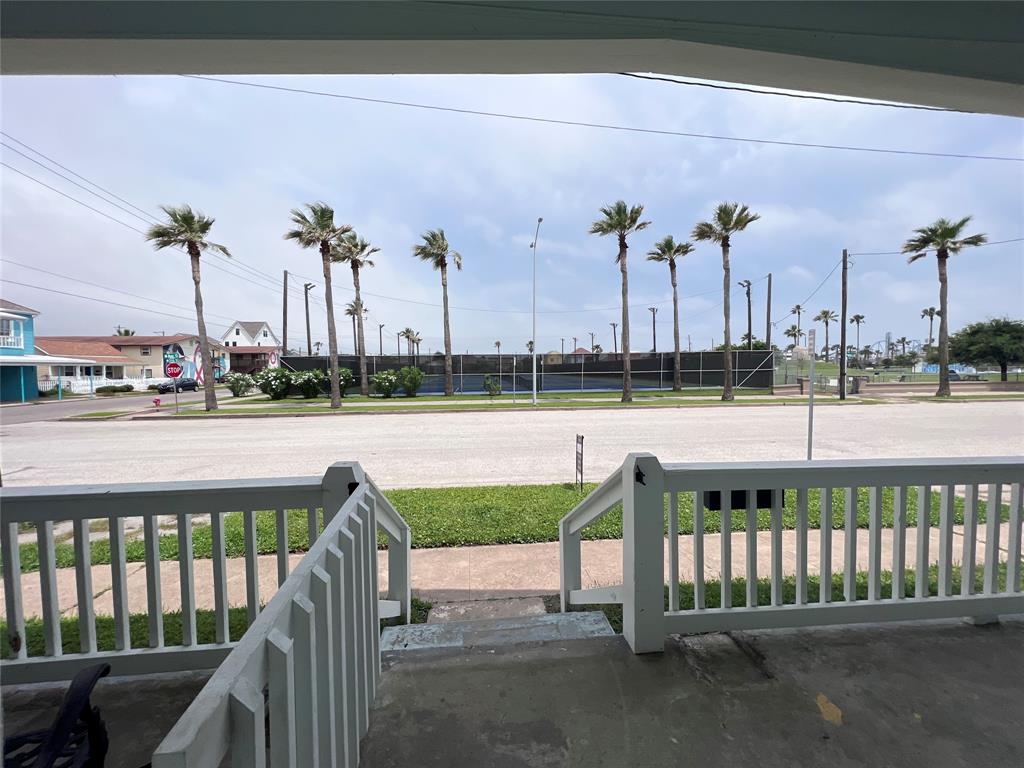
(932,694)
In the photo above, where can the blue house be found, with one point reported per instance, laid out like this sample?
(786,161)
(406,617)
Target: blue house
(18,355)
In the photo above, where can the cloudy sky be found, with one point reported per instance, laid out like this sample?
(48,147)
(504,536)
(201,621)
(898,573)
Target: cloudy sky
(246,156)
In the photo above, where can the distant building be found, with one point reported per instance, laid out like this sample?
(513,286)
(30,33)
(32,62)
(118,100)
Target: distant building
(19,357)
(252,346)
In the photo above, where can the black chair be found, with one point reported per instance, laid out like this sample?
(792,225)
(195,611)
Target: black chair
(77,738)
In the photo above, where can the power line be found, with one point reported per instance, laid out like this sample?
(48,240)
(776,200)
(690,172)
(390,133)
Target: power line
(901,253)
(602,126)
(812,97)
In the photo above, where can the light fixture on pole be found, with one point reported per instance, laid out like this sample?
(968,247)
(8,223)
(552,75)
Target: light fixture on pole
(654,329)
(533,336)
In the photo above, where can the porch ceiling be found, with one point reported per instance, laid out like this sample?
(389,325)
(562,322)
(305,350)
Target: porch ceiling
(965,55)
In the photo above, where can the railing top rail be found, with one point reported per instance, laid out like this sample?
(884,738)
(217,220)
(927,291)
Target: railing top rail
(122,490)
(597,503)
(778,474)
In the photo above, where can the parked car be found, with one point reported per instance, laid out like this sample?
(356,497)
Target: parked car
(184,385)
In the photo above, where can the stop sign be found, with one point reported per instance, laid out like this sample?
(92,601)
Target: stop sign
(173,370)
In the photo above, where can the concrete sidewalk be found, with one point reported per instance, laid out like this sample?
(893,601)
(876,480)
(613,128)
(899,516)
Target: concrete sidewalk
(485,572)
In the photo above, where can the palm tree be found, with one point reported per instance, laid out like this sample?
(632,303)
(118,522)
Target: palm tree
(943,237)
(667,251)
(529,347)
(597,349)
(621,220)
(316,346)
(826,316)
(315,228)
(857,320)
(797,310)
(408,334)
(435,250)
(930,313)
(866,352)
(352,310)
(794,333)
(903,341)
(416,339)
(188,229)
(353,250)
(729,218)
(125,331)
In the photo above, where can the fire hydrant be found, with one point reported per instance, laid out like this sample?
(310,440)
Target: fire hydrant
(156,402)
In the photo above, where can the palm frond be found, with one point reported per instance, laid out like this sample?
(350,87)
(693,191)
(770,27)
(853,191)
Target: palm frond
(705,231)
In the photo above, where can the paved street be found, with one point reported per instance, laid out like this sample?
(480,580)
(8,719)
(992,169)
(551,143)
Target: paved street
(51,409)
(410,450)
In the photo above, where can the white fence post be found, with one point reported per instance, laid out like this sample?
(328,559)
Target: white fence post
(643,554)
(570,561)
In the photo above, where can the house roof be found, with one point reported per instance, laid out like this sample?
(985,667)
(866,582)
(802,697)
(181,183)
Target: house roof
(138,341)
(11,306)
(581,351)
(252,327)
(251,350)
(97,351)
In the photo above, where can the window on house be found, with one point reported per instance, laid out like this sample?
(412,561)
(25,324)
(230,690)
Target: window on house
(6,328)
(264,334)
(144,351)
(238,332)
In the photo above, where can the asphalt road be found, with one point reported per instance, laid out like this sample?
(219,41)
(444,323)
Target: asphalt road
(410,450)
(50,410)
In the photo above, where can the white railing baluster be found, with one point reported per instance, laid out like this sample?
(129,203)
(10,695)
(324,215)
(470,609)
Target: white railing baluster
(13,604)
(946,541)
(801,546)
(312,525)
(304,649)
(899,542)
(220,578)
(924,533)
(369,578)
(375,591)
(698,549)
(850,499)
(400,555)
(252,566)
(1013,565)
(83,584)
(778,498)
(673,551)
(281,696)
(751,531)
(119,584)
(281,518)
(48,588)
(187,578)
(339,564)
(726,546)
(825,546)
(320,593)
(968,563)
(362,649)
(248,726)
(874,543)
(993,507)
(154,603)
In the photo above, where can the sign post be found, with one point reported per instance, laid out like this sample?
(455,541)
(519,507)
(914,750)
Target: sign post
(579,460)
(810,397)
(173,369)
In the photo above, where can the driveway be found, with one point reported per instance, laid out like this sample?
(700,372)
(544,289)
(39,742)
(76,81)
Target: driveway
(428,449)
(53,409)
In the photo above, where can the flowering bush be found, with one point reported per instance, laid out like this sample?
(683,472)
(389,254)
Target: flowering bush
(411,379)
(309,383)
(385,382)
(274,382)
(237,383)
(345,379)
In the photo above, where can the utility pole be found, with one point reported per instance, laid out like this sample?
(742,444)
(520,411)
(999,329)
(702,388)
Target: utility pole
(591,340)
(309,339)
(615,338)
(533,335)
(284,315)
(842,330)
(563,347)
(768,316)
(689,343)
(575,346)
(380,337)
(398,344)
(746,285)
(654,329)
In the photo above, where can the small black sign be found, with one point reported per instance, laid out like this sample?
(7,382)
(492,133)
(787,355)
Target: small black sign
(579,460)
(738,499)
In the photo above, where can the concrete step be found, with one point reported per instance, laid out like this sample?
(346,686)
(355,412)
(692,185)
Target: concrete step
(578,625)
(474,610)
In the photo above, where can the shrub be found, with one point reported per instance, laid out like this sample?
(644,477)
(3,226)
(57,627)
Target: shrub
(238,383)
(493,385)
(309,383)
(153,387)
(274,382)
(411,379)
(345,380)
(110,389)
(385,382)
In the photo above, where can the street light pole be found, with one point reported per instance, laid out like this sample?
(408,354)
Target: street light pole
(380,337)
(615,338)
(654,329)
(309,339)
(591,340)
(533,336)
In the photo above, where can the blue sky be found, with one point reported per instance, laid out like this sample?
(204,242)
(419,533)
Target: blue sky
(246,156)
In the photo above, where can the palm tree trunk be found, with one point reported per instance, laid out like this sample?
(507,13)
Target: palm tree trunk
(931,329)
(332,333)
(826,342)
(750,324)
(677,374)
(943,390)
(449,383)
(727,336)
(627,368)
(206,360)
(364,382)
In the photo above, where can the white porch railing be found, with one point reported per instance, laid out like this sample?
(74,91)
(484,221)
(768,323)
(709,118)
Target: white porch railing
(12,342)
(43,507)
(642,484)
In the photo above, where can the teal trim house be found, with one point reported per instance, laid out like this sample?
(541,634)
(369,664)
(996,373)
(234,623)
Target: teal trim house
(18,355)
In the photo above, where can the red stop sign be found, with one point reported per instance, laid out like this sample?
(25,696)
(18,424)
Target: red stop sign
(173,370)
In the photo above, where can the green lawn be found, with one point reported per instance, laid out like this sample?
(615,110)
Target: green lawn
(510,514)
(98,414)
